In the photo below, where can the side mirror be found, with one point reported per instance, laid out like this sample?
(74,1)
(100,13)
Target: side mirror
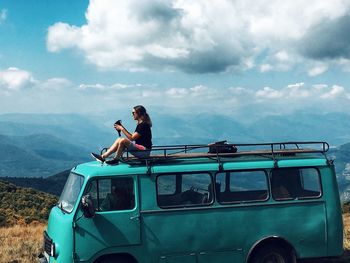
(87,206)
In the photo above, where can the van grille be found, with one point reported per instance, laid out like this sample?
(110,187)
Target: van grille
(47,243)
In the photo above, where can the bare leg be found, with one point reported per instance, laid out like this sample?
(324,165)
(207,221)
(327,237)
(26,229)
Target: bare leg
(122,145)
(112,149)
(118,146)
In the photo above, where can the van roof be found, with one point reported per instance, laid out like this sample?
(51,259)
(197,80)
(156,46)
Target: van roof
(188,158)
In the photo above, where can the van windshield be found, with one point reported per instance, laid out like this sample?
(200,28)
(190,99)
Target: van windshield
(70,192)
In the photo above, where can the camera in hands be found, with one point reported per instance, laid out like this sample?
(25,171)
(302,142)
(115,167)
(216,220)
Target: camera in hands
(118,122)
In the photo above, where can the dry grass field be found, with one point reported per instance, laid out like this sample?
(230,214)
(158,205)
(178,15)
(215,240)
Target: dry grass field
(22,243)
(346,220)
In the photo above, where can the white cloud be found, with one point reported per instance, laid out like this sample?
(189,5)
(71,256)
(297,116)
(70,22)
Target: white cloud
(15,79)
(55,84)
(334,92)
(21,92)
(199,89)
(92,86)
(279,61)
(318,69)
(299,95)
(296,85)
(298,90)
(268,93)
(177,92)
(282,56)
(344,63)
(187,35)
(61,36)
(116,86)
(266,68)
(238,90)
(319,87)
(3,15)
(165,52)
(49,96)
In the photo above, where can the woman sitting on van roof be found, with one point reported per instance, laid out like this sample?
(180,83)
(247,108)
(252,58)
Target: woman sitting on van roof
(138,143)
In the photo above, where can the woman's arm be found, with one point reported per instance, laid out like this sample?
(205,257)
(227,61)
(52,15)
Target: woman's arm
(131,137)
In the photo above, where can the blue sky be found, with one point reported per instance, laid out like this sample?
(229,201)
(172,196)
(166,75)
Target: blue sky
(236,58)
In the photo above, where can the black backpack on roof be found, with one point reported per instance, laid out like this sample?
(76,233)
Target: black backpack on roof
(222,147)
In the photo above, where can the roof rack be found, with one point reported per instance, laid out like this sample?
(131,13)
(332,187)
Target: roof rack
(271,150)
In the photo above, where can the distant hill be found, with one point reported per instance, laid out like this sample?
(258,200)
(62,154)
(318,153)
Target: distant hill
(341,155)
(18,205)
(72,128)
(96,131)
(38,155)
(198,128)
(39,145)
(332,127)
(52,184)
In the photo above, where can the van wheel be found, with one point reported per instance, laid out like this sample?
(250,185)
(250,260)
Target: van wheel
(113,260)
(272,254)
(116,259)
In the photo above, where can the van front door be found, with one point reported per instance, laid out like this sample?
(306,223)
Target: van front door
(116,222)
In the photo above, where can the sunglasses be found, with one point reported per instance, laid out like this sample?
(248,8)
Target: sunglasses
(133,113)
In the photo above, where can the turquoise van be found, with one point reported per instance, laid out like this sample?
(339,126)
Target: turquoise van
(271,202)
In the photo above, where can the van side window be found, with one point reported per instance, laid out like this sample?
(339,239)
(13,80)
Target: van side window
(241,186)
(183,190)
(167,185)
(292,183)
(113,194)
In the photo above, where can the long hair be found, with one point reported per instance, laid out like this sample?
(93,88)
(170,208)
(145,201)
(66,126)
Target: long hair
(141,111)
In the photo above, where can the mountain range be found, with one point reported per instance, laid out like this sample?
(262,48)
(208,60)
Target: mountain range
(40,145)
(38,155)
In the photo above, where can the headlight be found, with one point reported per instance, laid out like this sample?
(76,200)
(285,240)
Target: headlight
(49,245)
(52,250)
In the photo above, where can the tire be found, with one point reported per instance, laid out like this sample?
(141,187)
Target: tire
(272,254)
(113,259)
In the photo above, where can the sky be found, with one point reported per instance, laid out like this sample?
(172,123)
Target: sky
(232,57)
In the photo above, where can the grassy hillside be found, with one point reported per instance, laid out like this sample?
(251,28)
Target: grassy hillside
(23,205)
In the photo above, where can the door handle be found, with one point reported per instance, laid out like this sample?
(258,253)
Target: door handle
(135,217)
